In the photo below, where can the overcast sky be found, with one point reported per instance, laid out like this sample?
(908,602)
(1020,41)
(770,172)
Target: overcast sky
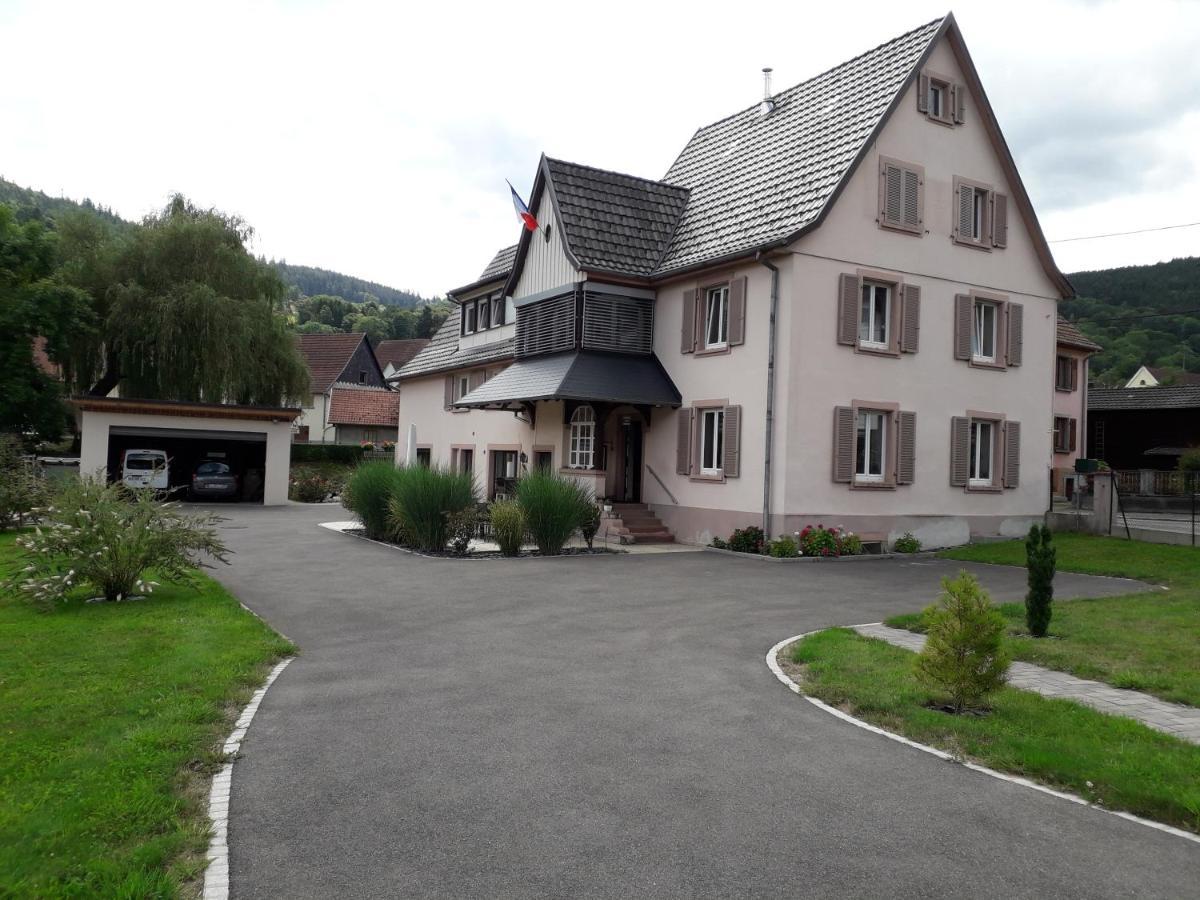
(374,139)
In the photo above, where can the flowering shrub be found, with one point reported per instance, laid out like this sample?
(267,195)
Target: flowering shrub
(21,490)
(747,540)
(104,537)
(310,486)
(389,445)
(836,541)
(367,446)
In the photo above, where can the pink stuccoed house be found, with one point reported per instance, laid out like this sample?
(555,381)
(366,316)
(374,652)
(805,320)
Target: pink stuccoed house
(836,306)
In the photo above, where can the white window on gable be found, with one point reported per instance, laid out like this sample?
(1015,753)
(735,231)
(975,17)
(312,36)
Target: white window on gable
(870,445)
(712,442)
(874,314)
(982,448)
(937,99)
(462,387)
(581,452)
(716,317)
(983,334)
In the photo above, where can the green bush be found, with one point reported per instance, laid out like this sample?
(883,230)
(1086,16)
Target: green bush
(784,548)
(907,543)
(309,486)
(367,494)
(104,537)
(461,525)
(508,526)
(422,501)
(1190,460)
(963,656)
(817,540)
(719,543)
(1040,563)
(852,544)
(554,507)
(746,540)
(346,454)
(21,489)
(590,524)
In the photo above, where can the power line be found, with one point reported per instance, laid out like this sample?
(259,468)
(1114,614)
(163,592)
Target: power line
(1094,237)
(1104,321)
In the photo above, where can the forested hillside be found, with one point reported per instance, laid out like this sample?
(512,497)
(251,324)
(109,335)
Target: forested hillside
(1122,310)
(34,204)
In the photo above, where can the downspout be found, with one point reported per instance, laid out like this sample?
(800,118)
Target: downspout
(769,424)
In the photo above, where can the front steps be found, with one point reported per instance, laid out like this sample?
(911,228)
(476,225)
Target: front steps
(634,523)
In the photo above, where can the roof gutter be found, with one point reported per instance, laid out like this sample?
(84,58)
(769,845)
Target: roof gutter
(769,424)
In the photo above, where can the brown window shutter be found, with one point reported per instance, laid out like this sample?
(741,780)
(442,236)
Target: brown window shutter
(1012,454)
(1074,442)
(1074,374)
(906,447)
(910,318)
(475,380)
(959,95)
(923,93)
(843,444)
(688,336)
(849,301)
(999,220)
(737,311)
(914,200)
(1013,350)
(893,195)
(966,211)
(683,443)
(960,451)
(964,307)
(732,463)
(449,400)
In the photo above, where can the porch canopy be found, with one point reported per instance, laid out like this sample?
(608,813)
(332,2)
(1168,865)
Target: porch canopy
(578,375)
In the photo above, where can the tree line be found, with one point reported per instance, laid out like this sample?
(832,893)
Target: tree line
(326,314)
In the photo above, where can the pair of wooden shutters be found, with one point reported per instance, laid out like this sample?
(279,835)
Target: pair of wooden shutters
(995,223)
(901,197)
(695,303)
(1008,445)
(905,313)
(475,379)
(955,97)
(902,436)
(1066,434)
(1009,316)
(687,441)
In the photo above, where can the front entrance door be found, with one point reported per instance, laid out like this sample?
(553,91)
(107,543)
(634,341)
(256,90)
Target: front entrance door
(631,442)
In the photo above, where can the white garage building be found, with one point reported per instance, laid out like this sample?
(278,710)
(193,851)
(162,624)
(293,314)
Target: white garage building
(255,440)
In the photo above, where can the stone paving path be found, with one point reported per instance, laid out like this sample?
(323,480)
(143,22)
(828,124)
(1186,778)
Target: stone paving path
(1173,718)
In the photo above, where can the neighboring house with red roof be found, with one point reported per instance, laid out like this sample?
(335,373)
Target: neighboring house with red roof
(335,362)
(363,413)
(42,360)
(392,355)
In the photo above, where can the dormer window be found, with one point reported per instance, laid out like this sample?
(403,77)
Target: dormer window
(940,98)
(468,317)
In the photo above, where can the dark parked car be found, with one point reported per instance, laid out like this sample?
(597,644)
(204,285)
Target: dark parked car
(213,480)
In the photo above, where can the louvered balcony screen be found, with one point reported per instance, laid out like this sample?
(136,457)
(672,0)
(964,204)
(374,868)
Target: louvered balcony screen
(547,326)
(617,324)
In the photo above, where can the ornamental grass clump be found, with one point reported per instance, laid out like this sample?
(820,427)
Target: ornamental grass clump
(963,658)
(21,489)
(105,538)
(422,502)
(1041,563)
(554,507)
(508,526)
(367,494)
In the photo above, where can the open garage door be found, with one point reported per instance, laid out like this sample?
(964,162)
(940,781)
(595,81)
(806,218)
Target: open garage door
(244,452)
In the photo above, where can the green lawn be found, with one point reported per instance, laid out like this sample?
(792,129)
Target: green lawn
(1146,641)
(1113,760)
(111,719)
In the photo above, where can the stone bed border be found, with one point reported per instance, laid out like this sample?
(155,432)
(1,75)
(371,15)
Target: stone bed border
(337,528)
(777,671)
(216,873)
(859,557)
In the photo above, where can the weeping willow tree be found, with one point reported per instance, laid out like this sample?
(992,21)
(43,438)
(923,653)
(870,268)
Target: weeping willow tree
(189,314)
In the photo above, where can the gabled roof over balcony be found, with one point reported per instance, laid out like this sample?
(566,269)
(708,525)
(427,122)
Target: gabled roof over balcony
(578,375)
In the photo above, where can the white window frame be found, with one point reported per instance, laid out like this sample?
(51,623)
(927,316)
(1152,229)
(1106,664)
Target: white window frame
(462,386)
(721,309)
(868,301)
(714,448)
(582,446)
(862,468)
(978,315)
(976,448)
(497,303)
(469,320)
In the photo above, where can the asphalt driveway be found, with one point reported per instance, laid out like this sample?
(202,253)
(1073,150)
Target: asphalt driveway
(606,727)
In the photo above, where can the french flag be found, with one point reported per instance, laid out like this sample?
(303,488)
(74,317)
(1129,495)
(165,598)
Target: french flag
(523,212)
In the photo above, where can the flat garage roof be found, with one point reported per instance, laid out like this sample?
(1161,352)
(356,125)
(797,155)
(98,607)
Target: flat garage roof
(133,405)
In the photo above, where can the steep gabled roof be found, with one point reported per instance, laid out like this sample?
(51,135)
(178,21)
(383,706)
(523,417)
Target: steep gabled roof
(501,264)
(327,356)
(355,404)
(399,352)
(756,179)
(1071,336)
(613,222)
(443,354)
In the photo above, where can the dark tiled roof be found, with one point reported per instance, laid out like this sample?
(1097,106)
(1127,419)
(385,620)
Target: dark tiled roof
(1174,378)
(501,263)
(613,222)
(352,404)
(579,376)
(327,356)
(756,179)
(443,354)
(1185,396)
(1071,336)
(399,352)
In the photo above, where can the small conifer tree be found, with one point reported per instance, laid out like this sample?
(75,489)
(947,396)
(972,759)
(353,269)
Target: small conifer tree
(1041,562)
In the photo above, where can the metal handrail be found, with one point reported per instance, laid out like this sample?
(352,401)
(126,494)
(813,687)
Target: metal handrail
(650,469)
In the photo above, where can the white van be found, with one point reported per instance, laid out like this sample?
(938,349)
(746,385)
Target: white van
(146,468)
